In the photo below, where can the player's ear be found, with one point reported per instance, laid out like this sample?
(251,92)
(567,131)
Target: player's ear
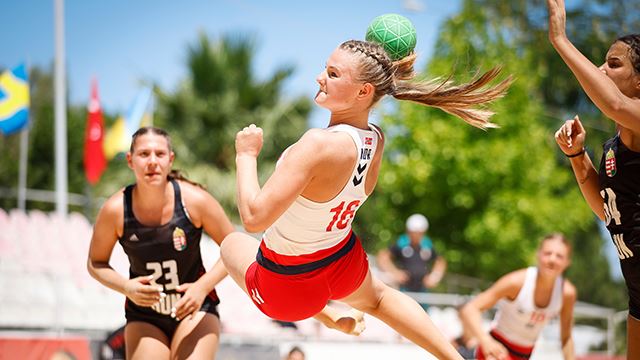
(129,159)
(366,90)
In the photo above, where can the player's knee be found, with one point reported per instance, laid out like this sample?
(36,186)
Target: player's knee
(226,248)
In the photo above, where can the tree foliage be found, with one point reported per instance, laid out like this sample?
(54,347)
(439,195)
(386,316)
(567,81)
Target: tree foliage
(220,96)
(491,196)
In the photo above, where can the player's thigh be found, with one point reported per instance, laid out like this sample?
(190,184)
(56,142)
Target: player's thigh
(196,338)
(238,251)
(633,338)
(145,341)
(367,296)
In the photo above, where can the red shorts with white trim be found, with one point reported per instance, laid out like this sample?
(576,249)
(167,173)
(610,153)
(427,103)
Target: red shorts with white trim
(516,352)
(290,290)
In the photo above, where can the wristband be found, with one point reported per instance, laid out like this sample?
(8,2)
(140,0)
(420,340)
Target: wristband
(577,154)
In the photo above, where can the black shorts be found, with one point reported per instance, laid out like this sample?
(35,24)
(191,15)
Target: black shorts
(165,323)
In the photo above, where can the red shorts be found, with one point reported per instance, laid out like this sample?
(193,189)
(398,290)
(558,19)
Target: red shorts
(516,352)
(289,293)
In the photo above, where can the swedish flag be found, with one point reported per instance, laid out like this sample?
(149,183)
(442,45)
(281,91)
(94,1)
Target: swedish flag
(14,100)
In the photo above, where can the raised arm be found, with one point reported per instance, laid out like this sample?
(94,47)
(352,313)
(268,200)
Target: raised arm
(570,137)
(600,88)
(261,207)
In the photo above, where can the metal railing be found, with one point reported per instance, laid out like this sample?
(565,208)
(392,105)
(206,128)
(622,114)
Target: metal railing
(581,310)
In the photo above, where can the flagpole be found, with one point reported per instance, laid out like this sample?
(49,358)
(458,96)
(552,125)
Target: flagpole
(22,176)
(60,111)
(24,153)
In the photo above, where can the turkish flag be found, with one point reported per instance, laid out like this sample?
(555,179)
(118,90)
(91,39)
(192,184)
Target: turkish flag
(94,160)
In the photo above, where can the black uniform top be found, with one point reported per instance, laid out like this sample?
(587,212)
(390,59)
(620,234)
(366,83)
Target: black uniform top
(170,252)
(620,188)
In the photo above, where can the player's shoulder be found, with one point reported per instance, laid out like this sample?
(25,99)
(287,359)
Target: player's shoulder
(319,136)
(509,285)
(192,193)
(569,291)
(115,203)
(319,142)
(515,278)
(113,206)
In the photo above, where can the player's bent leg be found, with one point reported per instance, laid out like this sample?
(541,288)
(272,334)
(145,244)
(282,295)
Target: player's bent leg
(403,314)
(145,341)
(350,322)
(196,338)
(238,251)
(633,337)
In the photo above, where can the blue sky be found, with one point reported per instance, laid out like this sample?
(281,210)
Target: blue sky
(124,42)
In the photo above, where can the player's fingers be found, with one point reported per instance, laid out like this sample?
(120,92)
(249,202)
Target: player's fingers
(146,301)
(144,279)
(578,124)
(558,135)
(185,311)
(180,309)
(150,289)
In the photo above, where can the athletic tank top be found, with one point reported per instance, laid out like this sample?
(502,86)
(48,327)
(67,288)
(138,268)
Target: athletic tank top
(170,252)
(308,226)
(520,321)
(619,177)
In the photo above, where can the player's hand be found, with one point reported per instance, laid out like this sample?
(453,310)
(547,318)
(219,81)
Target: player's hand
(570,137)
(430,281)
(142,292)
(190,302)
(493,350)
(557,19)
(249,141)
(400,277)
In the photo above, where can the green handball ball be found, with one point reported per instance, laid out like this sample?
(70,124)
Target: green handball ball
(395,33)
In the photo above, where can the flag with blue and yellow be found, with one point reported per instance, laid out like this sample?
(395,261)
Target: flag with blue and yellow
(118,136)
(14,100)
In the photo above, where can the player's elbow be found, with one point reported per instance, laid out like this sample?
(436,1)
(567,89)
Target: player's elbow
(91,268)
(254,224)
(463,311)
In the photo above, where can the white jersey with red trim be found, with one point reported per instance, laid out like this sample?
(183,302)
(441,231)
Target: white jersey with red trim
(308,226)
(520,321)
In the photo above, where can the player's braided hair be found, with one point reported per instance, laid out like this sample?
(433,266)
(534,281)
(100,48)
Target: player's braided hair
(395,78)
(174,174)
(633,40)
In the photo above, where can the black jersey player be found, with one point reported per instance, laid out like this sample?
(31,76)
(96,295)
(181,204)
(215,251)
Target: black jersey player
(171,301)
(613,193)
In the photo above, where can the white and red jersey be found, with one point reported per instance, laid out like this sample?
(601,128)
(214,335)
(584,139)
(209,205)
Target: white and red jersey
(308,227)
(520,321)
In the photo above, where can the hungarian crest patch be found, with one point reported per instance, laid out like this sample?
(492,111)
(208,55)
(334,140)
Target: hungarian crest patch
(179,239)
(610,163)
